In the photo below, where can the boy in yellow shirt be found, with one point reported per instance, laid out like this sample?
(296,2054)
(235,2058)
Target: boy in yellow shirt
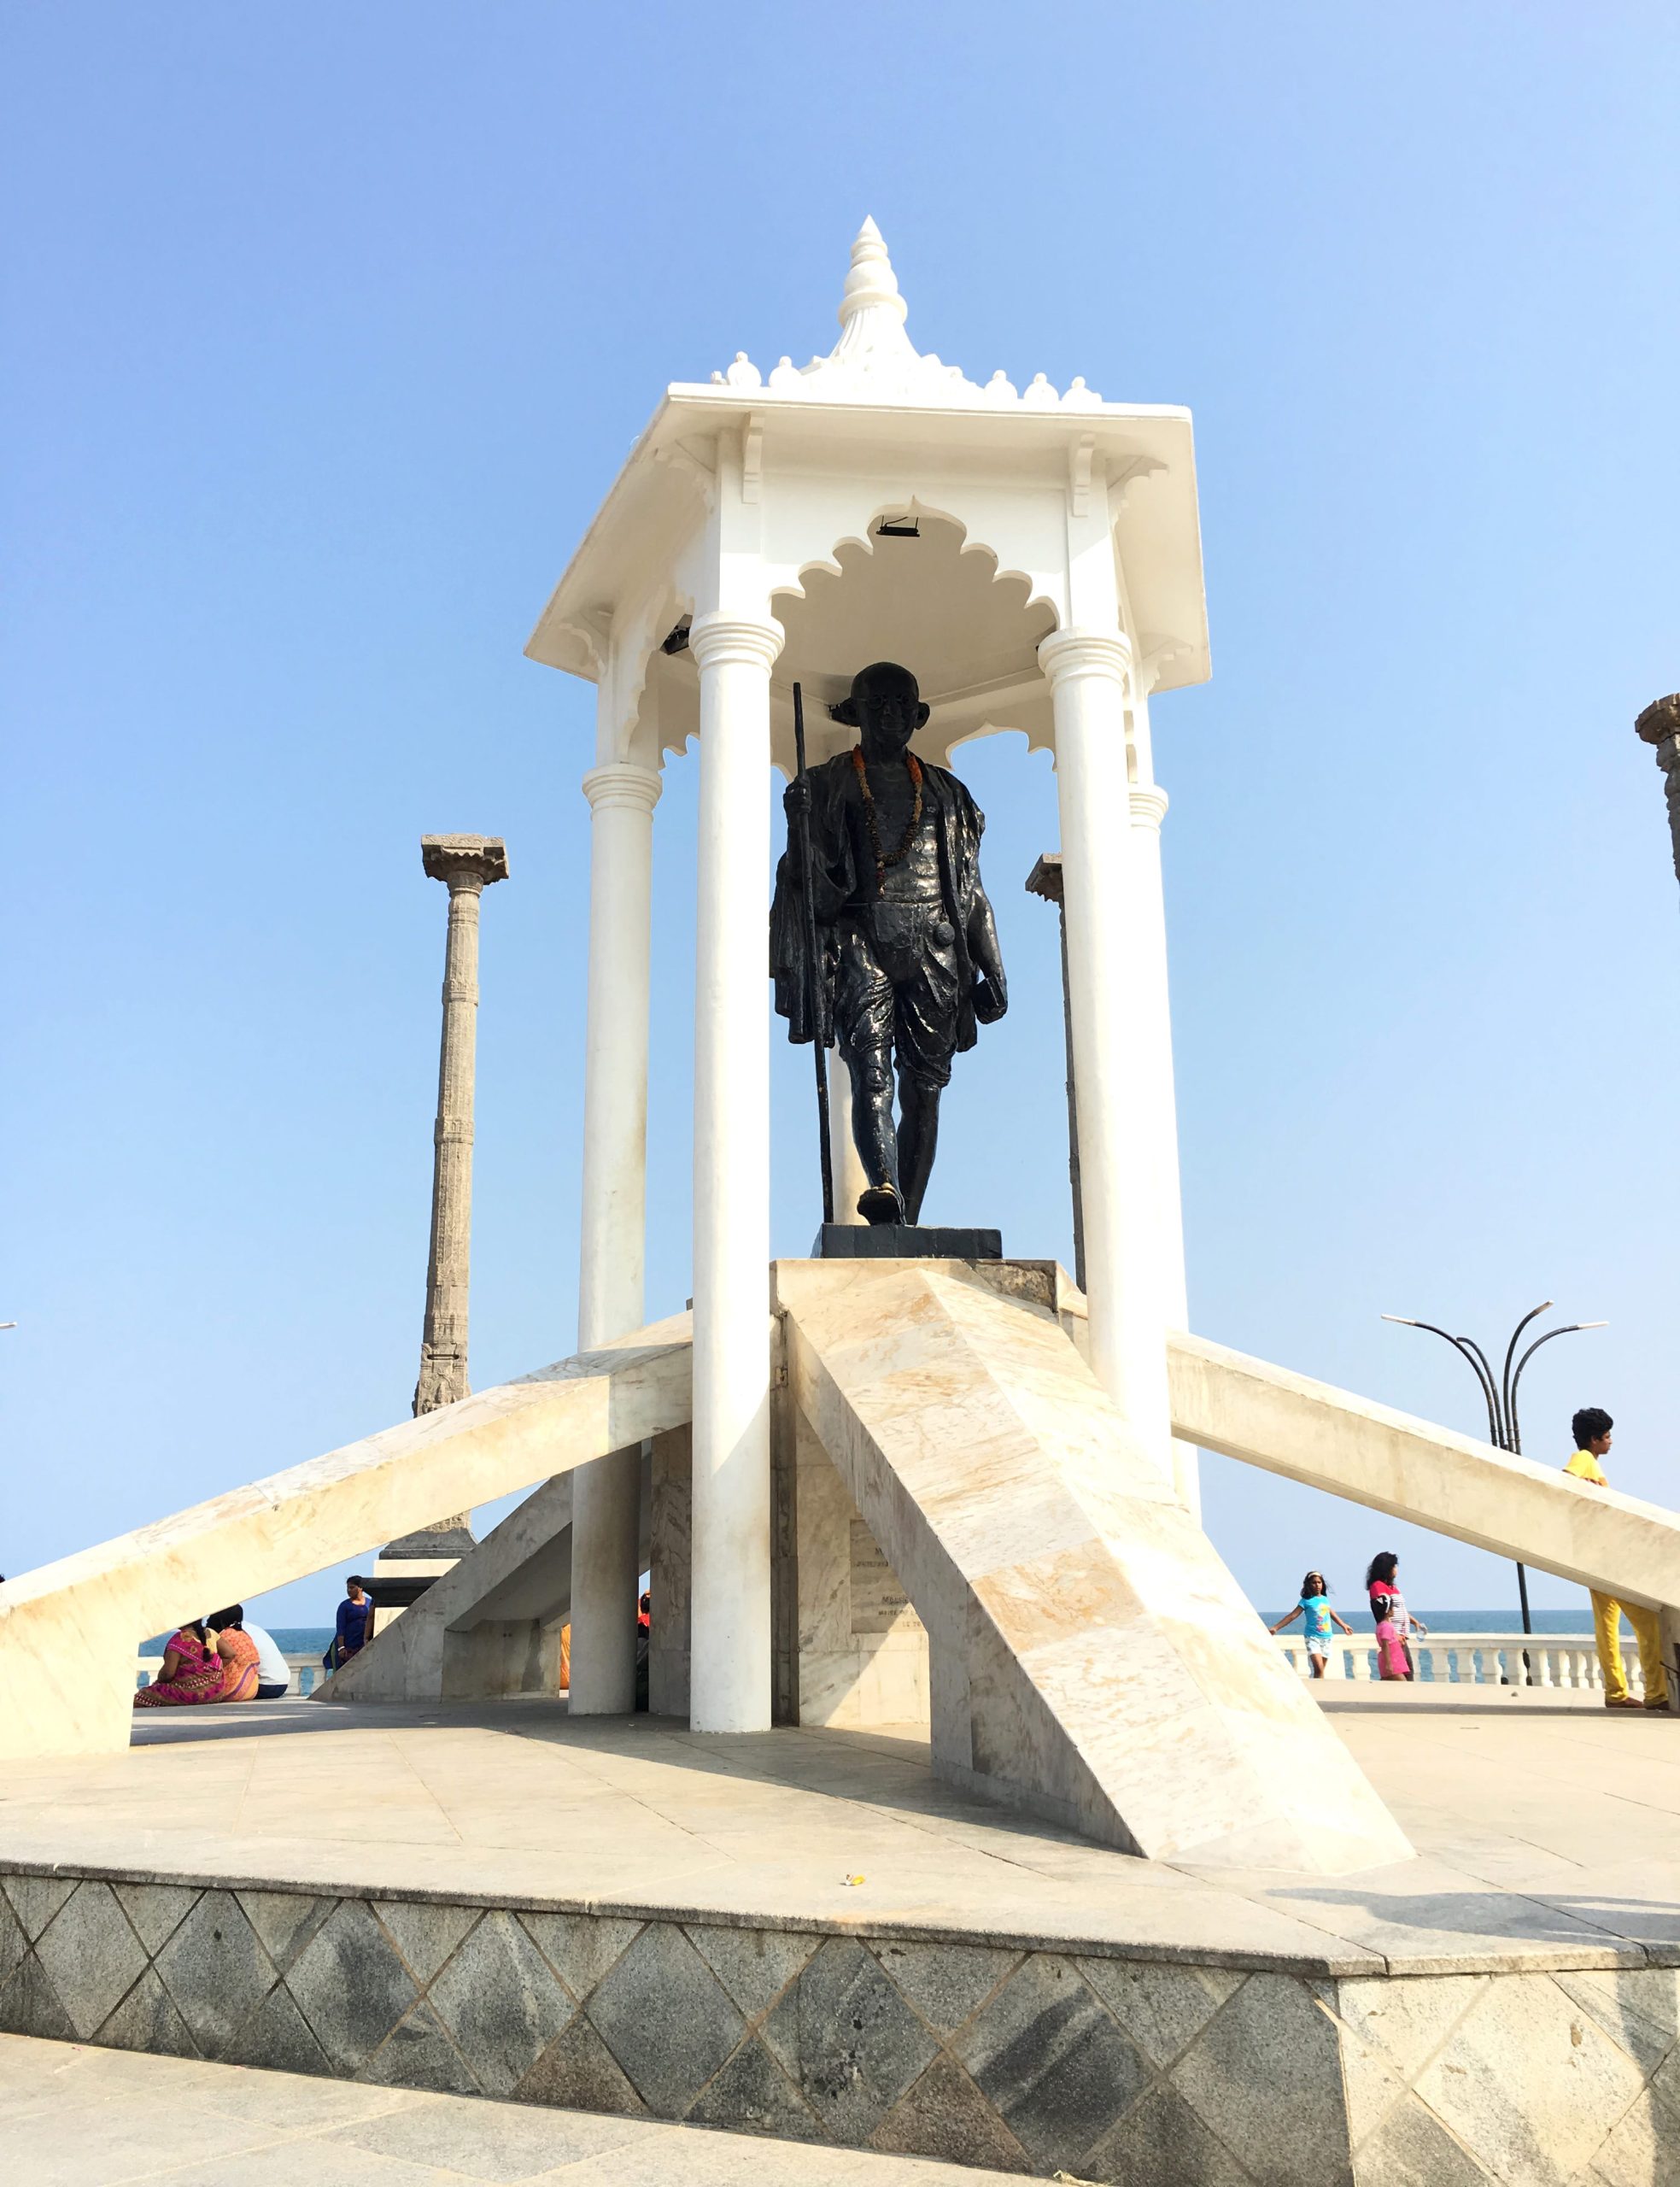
(1591,1429)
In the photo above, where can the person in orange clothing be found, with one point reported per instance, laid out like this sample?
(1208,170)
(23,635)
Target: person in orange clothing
(1591,1428)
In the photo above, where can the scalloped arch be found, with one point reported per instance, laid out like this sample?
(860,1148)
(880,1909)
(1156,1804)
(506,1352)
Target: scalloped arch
(918,506)
(968,621)
(1030,738)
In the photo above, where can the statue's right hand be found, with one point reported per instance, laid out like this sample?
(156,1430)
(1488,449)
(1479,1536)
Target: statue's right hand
(796,798)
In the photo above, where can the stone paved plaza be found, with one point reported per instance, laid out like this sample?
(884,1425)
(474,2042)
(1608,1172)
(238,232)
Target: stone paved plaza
(808,1936)
(1542,1821)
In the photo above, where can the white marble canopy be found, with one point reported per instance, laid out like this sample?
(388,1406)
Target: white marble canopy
(876,431)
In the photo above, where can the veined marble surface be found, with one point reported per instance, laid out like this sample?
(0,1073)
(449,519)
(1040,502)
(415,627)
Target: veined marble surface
(862,1650)
(1091,1656)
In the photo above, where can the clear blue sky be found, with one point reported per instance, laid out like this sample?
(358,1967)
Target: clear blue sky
(295,302)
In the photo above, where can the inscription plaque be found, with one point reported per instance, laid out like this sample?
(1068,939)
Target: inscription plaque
(878,1603)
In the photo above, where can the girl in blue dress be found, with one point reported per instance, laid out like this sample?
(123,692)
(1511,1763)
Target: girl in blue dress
(1314,1607)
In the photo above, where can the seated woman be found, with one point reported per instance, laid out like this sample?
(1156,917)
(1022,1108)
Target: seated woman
(191,1672)
(237,1651)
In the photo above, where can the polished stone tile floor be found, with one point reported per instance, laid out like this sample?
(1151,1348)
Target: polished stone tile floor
(1548,1830)
(74,2116)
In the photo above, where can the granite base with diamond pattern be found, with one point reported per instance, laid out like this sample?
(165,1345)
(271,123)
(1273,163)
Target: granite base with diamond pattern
(1113,2068)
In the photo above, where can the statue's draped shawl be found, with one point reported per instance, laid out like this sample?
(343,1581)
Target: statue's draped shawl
(836,803)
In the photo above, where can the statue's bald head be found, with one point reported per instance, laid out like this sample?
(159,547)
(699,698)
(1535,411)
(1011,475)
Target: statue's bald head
(886,705)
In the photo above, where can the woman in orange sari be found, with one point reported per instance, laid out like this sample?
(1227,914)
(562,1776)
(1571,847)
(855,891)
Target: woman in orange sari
(191,1672)
(237,1653)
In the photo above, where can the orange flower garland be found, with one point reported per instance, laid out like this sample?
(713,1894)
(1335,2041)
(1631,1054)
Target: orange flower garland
(913,768)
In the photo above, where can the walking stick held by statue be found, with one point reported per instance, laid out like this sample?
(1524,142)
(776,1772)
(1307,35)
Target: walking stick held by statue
(819,1039)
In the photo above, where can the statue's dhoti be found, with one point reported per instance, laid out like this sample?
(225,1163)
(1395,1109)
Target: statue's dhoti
(896,991)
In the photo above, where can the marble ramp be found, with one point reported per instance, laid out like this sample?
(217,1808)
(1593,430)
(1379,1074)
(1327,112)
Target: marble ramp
(1091,1659)
(1516,1507)
(68,1631)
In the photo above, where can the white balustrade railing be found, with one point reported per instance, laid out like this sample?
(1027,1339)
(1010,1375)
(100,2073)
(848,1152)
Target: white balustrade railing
(1565,1660)
(306,1670)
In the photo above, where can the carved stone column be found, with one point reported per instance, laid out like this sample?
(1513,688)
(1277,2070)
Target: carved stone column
(467,865)
(1660,725)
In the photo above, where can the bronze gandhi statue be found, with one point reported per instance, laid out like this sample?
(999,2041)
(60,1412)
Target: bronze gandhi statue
(906,940)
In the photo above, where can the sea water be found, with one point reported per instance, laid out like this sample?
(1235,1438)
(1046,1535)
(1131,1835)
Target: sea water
(289,1639)
(1459,1621)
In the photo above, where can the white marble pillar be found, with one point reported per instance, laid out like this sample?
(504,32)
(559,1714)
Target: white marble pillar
(605,1495)
(622,798)
(730,1611)
(1128,1285)
(1149,809)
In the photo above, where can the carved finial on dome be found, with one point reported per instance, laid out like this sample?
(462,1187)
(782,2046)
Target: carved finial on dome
(872,338)
(871,285)
(875,360)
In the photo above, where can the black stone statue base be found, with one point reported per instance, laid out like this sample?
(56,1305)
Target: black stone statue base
(902,1242)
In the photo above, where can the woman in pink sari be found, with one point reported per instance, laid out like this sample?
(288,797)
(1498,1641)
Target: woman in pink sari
(237,1652)
(191,1673)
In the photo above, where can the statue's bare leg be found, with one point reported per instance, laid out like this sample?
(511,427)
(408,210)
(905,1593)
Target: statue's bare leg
(918,1141)
(874,1135)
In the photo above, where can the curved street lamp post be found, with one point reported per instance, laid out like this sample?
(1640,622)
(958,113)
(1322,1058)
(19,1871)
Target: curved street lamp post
(1501,1398)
